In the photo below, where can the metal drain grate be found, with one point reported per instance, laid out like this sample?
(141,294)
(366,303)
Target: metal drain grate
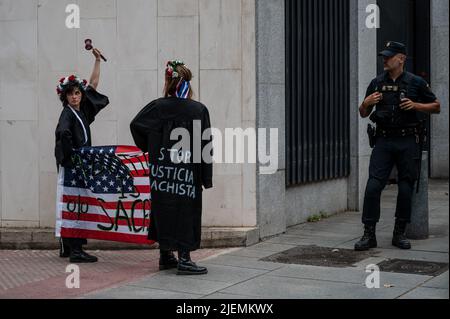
(415,267)
(320,256)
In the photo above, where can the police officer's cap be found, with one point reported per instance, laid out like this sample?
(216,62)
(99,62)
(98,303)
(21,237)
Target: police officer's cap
(392,48)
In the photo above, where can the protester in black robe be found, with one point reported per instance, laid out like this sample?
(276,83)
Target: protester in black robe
(81,103)
(177,175)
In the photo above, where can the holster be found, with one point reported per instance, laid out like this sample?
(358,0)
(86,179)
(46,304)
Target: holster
(372,133)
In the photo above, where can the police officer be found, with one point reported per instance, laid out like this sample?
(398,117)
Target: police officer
(396,101)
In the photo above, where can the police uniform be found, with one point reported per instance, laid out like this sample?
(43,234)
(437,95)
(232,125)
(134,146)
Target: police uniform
(398,140)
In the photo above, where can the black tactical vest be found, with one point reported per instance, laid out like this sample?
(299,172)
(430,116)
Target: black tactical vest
(387,112)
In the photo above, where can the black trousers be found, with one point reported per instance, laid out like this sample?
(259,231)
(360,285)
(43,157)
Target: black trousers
(404,152)
(73,243)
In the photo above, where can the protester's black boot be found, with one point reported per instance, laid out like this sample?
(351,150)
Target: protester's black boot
(369,239)
(187,267)
(64,250)
(167,260)
(78,255)
(399,240)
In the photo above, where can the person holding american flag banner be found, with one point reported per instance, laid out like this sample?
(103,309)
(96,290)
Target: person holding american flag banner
(81,103)
(130,194)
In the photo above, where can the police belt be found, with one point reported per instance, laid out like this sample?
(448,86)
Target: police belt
(398,132)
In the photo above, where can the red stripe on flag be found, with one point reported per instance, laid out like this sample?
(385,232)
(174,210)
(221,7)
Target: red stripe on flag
(138,222)
(143,188)
(134,159)
(139,173)
(103,235)
(127,149)
(107,205)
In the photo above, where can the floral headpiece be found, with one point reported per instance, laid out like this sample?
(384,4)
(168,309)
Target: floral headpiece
(72,79)
(171,69)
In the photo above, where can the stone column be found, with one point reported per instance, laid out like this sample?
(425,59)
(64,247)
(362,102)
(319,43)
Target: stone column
(363,70)
(439,83)
(270,66)
(419,226)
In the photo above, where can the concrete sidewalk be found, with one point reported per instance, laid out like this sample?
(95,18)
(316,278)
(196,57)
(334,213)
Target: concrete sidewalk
(241,274)
(256,272)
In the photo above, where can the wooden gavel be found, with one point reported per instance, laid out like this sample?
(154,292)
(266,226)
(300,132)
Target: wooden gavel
(89,47)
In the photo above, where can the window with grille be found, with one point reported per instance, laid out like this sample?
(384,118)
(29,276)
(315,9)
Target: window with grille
(317,90)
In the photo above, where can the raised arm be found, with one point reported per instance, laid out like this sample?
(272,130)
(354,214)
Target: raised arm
(95,77)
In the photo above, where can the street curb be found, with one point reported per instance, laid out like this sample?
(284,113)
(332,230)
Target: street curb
(44,239)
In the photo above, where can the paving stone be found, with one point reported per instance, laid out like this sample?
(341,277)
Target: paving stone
(427,293)
(243,262)
(441,282)
(221,273)
(181,284)
(274,287)
(348,275)
(220,295)
(133,292)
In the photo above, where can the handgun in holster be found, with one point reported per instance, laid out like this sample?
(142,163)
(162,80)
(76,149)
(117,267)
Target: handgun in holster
(372,132)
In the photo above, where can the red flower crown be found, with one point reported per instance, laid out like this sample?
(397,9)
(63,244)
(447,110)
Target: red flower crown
(171,68)
(72,79)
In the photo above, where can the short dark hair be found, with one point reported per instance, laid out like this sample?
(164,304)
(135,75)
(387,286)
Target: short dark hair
(69,89)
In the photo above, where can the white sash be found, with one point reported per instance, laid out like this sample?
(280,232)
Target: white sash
(82,124)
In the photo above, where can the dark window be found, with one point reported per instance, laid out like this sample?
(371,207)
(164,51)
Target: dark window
(317,90)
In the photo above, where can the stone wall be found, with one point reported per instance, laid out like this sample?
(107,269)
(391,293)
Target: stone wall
(439,83)
(216,39)
(236,50)
(363,70)
(280,207)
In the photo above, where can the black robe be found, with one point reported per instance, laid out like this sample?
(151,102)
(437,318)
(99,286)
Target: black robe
(176,187)
(70,135)
(69,132)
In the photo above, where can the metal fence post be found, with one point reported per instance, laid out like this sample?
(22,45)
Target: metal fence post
(419,226)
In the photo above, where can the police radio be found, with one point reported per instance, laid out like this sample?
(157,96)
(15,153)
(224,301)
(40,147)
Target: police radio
(402,95)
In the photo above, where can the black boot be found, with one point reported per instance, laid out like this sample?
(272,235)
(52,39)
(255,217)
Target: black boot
(64,250)
(369,239)
(187,267)
(78,255)
(167,260)
(399,240)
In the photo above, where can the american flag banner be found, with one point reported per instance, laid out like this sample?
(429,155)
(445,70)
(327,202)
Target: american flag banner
(105,195)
